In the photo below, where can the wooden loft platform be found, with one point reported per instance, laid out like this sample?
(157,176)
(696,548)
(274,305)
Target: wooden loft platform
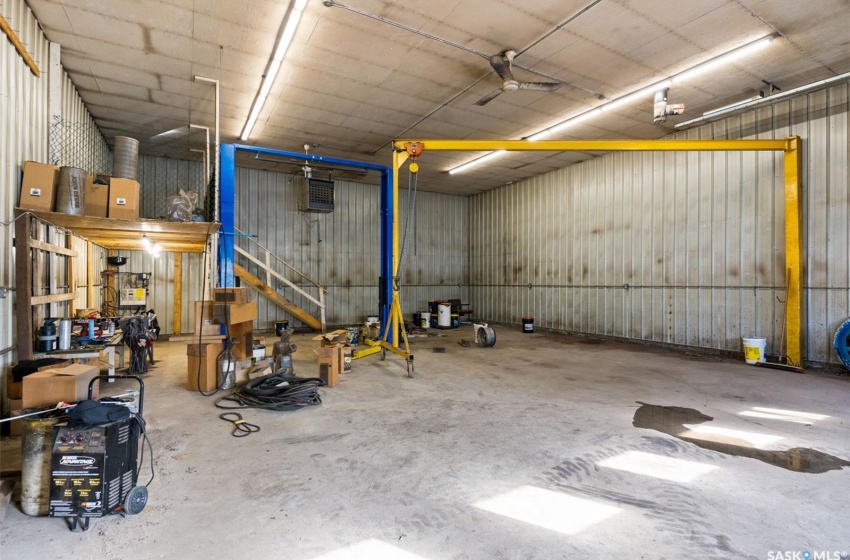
(126,235)
(113,235)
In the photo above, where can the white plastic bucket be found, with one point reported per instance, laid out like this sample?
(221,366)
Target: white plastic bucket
(754,349)
(424,320)
(444,315)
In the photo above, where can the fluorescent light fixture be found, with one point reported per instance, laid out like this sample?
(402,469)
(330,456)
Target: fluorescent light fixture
(657,466)
(284,39)
(551,510)
(476,162)
(371,549)
(728,435)
(733,105)
(634,96)
(566,124)
(710,64)
(727,58)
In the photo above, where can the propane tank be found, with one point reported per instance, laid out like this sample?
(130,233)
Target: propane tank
(36,449)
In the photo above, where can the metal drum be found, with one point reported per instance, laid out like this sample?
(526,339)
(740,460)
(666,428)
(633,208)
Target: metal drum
(71,191)
(125,157)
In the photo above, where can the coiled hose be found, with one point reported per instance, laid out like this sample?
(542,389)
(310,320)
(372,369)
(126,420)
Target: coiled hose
(276,391)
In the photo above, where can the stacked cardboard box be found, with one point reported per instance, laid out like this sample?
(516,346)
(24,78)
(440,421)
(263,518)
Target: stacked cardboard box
(202,368)
(334,355)
(104,196)
(38,187)
(54,385)
(238,318)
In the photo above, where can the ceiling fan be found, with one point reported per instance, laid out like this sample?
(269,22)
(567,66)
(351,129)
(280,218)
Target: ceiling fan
(502,64)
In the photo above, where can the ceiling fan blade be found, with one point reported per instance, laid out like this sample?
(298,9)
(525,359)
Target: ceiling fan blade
(170,134)
(502,65)
(540,86)
(488,98)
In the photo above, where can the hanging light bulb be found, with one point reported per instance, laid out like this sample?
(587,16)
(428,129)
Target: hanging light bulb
(146,242)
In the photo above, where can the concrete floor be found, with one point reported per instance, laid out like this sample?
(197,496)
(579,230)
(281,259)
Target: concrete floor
(440,466)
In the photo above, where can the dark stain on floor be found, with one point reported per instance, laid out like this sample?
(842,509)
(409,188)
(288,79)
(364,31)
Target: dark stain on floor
(671,420)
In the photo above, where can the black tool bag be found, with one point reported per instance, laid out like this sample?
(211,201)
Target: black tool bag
(95,413)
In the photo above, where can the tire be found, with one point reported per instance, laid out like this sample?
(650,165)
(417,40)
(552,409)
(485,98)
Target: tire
(485,337)
(136,500)
(841,343)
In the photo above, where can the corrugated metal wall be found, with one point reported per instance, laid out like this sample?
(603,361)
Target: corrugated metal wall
(341,250)
(681,248)
(24,135)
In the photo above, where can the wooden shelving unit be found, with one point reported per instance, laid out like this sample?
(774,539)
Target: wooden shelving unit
(113,235)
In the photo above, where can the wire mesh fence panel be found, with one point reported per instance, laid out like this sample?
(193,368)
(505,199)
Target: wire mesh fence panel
(161,178)
(79,144)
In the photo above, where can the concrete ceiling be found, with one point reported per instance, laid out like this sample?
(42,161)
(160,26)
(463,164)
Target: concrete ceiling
(350,83)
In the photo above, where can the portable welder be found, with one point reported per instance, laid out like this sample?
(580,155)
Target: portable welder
(94,468)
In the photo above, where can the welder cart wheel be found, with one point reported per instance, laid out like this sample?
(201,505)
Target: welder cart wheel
(485,336)
(136,500)
(383,354)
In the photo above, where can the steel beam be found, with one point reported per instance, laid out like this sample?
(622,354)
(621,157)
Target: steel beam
(789,146)
(596,145)
(793,251)
(387,213)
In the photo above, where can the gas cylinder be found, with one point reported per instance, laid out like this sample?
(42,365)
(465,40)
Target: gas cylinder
(36,449)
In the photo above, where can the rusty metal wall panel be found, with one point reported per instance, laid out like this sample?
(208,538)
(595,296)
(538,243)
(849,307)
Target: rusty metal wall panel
(23,136)
(680,248)
(341,250)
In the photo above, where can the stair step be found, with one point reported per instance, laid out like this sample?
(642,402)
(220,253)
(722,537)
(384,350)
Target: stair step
(276,298)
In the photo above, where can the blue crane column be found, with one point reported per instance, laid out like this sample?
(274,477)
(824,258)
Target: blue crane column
(227,194)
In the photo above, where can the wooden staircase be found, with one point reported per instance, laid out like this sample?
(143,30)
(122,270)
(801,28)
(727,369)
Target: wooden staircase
(276,298)
(265,288)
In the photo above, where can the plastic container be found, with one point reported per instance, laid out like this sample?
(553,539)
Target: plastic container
(444,315)
(424,320)
(754,349)
(65,334)
(528,324)
(280,326)
(455,320)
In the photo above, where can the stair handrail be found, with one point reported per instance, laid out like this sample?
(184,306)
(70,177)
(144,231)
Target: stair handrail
(276,257)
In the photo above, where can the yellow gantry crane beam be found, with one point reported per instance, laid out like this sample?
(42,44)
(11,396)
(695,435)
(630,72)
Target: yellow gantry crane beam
(789,146)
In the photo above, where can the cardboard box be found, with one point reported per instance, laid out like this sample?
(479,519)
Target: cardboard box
(233,313)
(14,390)
(345,358)
(339,336)
(38,186)
(242,369)
(96,199)
(123,199)
(68,384)
(243,334)
(204,319)
(231,295)
(329,364)
(15,407)
(204,356)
